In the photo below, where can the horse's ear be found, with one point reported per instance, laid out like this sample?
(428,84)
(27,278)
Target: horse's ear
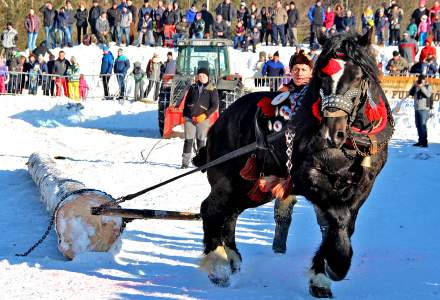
(367,39)
(322,37)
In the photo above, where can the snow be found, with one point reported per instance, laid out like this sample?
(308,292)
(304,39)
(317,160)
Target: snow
(396,247)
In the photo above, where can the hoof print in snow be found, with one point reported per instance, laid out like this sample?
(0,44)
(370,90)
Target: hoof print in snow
(320,292)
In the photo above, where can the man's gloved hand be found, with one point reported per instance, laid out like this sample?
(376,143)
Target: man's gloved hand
(199,119)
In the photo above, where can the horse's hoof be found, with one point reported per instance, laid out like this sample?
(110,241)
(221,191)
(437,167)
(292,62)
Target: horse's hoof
(221,282)
(320,292)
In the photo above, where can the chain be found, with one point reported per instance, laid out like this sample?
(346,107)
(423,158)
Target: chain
(53,217)
(290,135)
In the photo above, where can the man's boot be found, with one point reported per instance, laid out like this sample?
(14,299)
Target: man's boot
(186,156)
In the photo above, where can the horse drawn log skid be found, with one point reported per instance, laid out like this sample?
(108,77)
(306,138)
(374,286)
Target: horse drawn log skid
(131,214)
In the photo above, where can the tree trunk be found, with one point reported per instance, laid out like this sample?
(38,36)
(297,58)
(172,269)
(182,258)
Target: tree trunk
(77,230)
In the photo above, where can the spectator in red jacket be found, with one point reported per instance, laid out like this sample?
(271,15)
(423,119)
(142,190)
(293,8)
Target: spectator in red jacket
(329,18)
(428,50)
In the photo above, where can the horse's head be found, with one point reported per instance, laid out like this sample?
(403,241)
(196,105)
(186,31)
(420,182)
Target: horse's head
(343,71)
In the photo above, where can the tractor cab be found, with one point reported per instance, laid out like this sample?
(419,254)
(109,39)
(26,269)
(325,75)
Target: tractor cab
(194,54)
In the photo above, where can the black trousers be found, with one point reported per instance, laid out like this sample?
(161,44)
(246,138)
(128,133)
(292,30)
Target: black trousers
(81,29)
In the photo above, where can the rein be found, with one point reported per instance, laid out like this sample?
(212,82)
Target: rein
(222,159)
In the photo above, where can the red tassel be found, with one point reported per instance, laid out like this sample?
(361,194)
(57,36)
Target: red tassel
(249,171)
(283,189)
(267,183)
(255,194)
(266,107)
(374,114)
(315,109)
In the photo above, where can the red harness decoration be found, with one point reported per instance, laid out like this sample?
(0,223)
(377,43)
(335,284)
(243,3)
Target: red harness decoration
(266,107)
(316,109)
(332,67)
(377,114)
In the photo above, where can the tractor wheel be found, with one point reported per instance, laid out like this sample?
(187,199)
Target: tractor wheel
(163,103)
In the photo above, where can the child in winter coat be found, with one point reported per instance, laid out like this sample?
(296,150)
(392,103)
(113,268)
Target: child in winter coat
(33,75)
(4,76)
(73,79)
(83,87)
(412,29)
(423,30)
(139,77)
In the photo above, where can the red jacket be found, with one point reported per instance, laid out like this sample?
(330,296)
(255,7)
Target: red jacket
(329,19)
(428,50)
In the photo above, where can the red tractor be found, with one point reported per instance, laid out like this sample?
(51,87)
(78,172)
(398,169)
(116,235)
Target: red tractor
(192,55)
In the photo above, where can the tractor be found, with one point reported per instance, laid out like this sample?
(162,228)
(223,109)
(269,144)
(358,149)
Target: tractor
(192,55)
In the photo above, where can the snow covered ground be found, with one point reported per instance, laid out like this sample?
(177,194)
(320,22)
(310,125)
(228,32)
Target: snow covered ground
(396,243)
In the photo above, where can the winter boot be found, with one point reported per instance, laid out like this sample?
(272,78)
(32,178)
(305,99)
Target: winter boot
(186,156)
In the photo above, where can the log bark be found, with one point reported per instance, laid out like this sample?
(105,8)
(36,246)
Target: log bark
(70,200)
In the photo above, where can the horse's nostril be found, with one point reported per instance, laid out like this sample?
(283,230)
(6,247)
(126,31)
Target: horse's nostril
(340,135)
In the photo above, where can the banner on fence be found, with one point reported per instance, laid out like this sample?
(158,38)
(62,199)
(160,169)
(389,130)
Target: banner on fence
(399,86)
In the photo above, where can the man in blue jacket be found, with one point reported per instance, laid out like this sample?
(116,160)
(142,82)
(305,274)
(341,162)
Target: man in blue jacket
(106,70)
(122,64)
(316,15)
(273,68)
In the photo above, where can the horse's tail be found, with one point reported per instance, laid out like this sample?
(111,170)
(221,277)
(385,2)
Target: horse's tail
(201,158)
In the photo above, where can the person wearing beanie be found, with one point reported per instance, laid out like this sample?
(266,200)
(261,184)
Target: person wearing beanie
(274,68)
(397,65)
(106,70)
(408,48)
(200,103)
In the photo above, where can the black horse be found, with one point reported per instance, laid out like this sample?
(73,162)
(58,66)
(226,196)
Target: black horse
(338,139)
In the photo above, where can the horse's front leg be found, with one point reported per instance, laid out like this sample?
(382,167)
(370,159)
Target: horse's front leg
(221,258)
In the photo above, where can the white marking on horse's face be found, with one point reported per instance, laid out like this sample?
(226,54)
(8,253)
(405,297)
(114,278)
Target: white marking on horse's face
(337,76)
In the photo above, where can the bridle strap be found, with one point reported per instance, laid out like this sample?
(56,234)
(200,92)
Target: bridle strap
(336,114)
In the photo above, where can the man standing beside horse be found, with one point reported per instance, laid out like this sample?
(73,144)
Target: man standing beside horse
(301,68)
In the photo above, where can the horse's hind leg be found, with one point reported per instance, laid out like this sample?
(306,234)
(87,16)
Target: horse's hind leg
(283,217)
(219,219)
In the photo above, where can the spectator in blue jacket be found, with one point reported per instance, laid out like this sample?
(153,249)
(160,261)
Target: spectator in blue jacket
(121,66)
(106,69)
(61,22)
(274,68)
(349,21)
(191,14)
(316,15)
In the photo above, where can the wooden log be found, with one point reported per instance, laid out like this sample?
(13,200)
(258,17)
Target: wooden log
(70,200)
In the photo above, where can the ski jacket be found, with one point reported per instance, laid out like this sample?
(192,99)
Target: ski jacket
(121,65)
(201,99)
(107,63)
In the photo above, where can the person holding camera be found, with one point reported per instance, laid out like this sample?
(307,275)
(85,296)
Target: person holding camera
(422,93)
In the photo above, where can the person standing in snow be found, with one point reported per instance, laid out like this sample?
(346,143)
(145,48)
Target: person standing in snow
(153,73)
(32,25)
(49,23)
(9,40)
(94,14)
(106,70)
(126,20)
(201,102)
(273,68)
(81,21)
(422,93)
(139,77)
(83,87)
(4,75)
(60,69)
(121,66)
(73,77)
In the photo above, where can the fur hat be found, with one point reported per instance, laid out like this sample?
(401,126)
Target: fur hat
(203,71)
(300,59)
